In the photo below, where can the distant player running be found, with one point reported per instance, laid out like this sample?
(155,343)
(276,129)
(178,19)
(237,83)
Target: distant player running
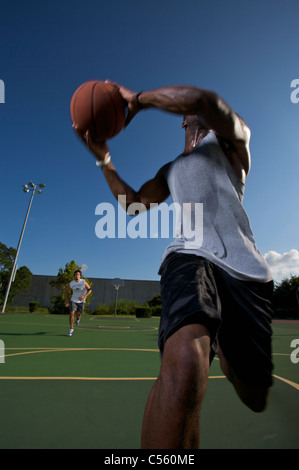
(81,290)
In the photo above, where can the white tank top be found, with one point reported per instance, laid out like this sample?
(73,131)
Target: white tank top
(205,176)
(78,289)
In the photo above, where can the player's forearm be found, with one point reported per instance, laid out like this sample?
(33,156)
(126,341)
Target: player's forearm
(213,111)
(177,99)
(118,186)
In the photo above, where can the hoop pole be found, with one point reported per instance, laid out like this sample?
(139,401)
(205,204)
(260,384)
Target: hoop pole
(116,297)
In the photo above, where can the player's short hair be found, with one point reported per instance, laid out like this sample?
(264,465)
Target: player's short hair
(78,271)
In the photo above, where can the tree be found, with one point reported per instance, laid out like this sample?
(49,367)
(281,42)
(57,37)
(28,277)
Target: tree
(63,277)
(156,305)
(286,297)
(23,277)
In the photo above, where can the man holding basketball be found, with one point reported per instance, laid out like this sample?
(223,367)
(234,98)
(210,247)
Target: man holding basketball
(216,297)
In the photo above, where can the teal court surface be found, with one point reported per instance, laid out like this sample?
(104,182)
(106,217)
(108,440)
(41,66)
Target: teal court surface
(89,391)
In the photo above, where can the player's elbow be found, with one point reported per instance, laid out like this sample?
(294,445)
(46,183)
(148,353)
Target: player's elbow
(136,208)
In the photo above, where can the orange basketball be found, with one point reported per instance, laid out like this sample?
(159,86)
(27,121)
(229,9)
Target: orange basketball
(98,107)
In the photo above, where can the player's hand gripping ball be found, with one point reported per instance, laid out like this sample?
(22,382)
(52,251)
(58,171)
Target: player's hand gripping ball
(99,108)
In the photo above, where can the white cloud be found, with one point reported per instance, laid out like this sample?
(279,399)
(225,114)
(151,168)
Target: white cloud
(283,265)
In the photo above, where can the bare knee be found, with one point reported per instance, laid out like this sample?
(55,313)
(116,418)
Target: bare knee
(185,364)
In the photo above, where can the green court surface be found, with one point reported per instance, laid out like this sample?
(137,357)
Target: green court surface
(89,391)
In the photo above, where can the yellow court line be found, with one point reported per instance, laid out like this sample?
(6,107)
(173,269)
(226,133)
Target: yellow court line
(87,349)
(37,350)
(92,378)
(104,349)
(42,350)
(281,354)
(78,378)
(33,352)
(121,319)
(85,326)
(289,382)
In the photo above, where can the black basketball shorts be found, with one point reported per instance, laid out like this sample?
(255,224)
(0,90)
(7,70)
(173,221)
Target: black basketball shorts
(237,313)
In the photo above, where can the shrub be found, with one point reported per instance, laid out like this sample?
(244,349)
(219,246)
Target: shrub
(103,309)
(156,301)
(124,307)
(156,311)
(58,305)
(155,304)
(143,312)
(33,306)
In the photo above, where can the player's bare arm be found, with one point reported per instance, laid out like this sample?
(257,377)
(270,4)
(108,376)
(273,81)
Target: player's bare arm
(153,191)
(88,289)
(213,113)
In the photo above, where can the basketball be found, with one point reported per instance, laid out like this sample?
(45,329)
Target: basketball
(98,107)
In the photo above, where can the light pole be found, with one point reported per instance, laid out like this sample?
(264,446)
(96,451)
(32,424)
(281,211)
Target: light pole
(26,188)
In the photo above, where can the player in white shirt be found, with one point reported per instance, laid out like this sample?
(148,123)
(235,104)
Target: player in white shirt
(80,290)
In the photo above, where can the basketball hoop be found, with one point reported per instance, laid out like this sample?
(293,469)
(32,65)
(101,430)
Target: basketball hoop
(117,283)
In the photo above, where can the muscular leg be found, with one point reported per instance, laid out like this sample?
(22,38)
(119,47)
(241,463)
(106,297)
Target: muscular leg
(172,414)
(256,398)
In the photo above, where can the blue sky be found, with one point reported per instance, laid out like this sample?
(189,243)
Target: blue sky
(245,51)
